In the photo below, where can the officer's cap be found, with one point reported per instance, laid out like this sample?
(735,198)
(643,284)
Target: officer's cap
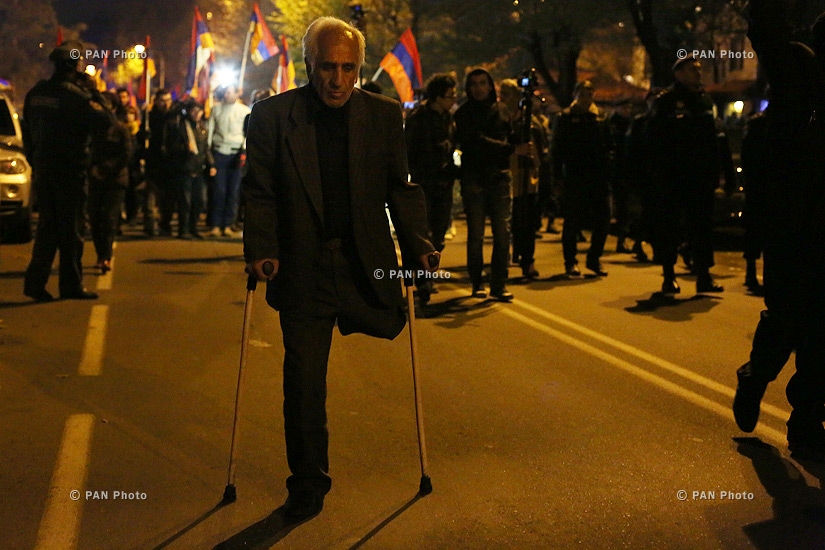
(681,62)
(67,52)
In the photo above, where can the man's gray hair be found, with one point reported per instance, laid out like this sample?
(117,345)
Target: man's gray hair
(332,25)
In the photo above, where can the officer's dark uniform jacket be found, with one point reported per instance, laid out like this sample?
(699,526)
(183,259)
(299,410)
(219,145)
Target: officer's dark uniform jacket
(60,117)
(581,148)
(430,145)
(111,152)
(795,133)
(683,141)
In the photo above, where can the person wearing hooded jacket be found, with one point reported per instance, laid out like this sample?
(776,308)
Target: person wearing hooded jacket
(482,130)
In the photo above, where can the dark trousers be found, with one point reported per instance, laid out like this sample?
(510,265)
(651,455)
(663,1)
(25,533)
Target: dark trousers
(439,197)
(104,207)
(583,202)
(487,195)
(524,229)
(679,209)
(61,200)
(190,202)
(340,293)
(795,319)
(225,189)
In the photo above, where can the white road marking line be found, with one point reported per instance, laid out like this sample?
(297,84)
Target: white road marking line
(60,525)
(767,432)
(91,360)
(650,358)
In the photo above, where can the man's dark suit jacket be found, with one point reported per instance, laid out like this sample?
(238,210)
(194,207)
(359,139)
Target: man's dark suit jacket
(284,204)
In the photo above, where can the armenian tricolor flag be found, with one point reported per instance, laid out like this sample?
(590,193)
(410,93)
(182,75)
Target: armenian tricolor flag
(403,65)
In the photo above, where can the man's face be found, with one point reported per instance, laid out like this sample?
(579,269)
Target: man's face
(479,87)
(335,71)
(165,102)
(446,102)
(690,74)
(124,98)
(230,95)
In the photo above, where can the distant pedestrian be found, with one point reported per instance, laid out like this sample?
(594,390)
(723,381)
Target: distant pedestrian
(226,137)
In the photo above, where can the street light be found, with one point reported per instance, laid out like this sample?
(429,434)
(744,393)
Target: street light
(139,48)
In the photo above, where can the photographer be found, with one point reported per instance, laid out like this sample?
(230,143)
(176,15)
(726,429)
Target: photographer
(517,96)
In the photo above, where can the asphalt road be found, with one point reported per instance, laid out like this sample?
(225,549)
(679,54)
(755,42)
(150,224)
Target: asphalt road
(571,418)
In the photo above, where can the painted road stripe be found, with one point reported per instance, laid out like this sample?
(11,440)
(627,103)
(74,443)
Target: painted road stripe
(60,526)
(724,411)
(91,360)
(650,358)
(693,397)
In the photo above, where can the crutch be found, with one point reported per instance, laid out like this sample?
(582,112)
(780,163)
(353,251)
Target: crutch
(230,494)
(426,486)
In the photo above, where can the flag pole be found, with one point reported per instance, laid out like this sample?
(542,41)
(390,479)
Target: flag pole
(245,56)
(377,74)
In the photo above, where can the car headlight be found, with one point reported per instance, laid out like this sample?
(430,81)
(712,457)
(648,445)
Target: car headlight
(12,166)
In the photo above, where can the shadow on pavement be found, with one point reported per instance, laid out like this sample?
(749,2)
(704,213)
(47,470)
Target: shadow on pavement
(799,509)
(387,521)
(189,527)
(669,308)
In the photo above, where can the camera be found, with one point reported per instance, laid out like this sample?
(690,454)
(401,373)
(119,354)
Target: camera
(528,80)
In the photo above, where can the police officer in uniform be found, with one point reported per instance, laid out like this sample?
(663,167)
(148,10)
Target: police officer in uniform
(581,153)
(60,116)
(685,164)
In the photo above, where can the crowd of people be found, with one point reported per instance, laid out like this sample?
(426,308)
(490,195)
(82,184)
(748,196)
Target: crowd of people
(652,177)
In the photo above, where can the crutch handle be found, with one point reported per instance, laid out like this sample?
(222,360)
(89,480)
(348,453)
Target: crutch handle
(252,280)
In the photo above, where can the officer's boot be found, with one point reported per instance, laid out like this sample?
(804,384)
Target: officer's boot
(751,280)
(669,285)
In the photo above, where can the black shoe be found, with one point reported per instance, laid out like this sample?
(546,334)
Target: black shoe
(572,272)
(39,296)
(596,267)
(479,291)
(621,248)
(301,506)
(749,393)
(529,272)
(81,294)
(639,252)
(806,437)
(704,283)
(670,286)
(502,295)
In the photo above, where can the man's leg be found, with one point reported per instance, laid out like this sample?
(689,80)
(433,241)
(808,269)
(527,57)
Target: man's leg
(473,200)
(307,340)
(499,206)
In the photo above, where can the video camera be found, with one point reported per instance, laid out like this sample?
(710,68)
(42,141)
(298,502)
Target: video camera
(528,81)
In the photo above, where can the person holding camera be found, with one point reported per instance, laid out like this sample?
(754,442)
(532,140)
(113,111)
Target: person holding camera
(581,153)
(524,170)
